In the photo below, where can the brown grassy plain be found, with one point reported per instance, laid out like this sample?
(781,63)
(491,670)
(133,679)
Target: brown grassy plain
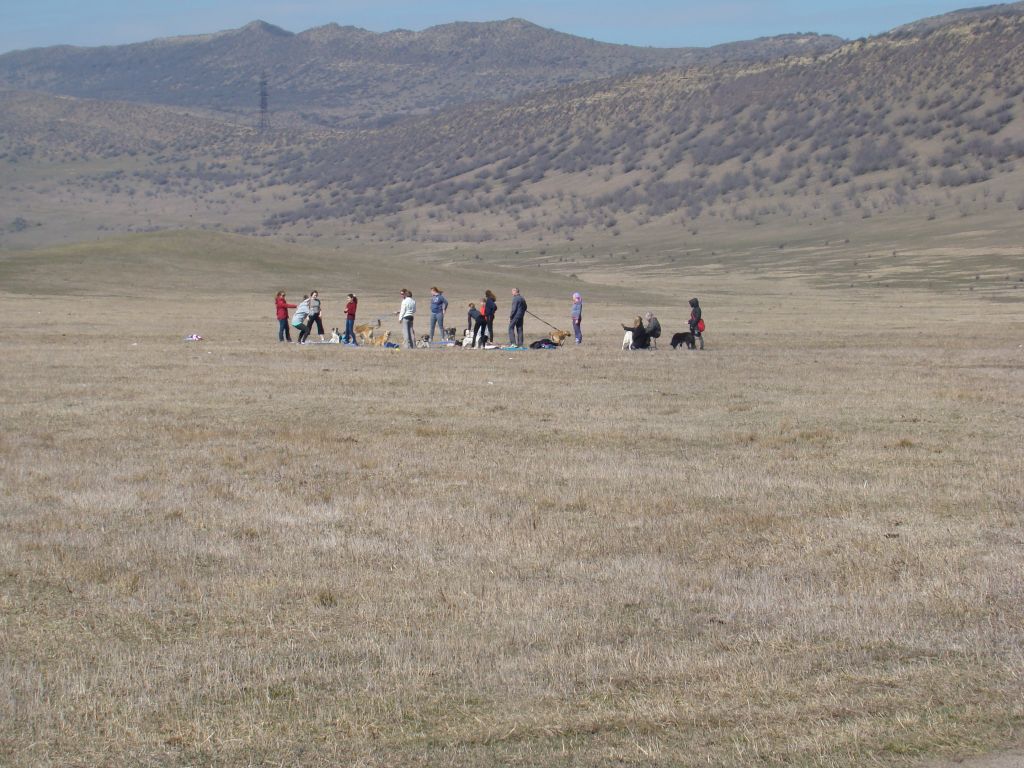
(802,546)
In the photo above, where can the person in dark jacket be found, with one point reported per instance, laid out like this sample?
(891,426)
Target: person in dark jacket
(516,317)
(477,321)
(653,328)
(695,321)
(283,331)
(490,309)
(640,338)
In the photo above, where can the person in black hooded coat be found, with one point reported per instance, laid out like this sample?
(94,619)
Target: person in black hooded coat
(695,316)
(641,340)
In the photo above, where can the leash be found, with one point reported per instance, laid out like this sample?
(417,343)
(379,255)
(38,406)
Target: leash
(549,325)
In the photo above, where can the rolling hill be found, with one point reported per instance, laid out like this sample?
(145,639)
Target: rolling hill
(345,76)
(921,124)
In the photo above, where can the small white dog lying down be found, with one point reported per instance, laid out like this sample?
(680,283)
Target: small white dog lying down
(627,340)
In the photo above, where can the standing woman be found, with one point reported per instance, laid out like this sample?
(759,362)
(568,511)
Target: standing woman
(491,304)
(480,337)
(314,316)
(438,306)
(350,319)
(283,332)
(577,317)
(406,313)
(696,321)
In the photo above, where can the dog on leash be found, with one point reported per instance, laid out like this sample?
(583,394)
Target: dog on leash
(687,338)
(559,336)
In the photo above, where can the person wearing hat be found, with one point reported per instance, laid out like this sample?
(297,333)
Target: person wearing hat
(696,321)
(577,317)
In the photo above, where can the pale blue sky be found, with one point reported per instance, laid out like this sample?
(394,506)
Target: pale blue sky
(35,23)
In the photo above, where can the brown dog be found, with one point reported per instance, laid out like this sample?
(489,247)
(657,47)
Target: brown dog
(380,341)
(364,331)
(559,336)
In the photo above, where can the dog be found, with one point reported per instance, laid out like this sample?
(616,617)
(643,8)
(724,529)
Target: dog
(335,337)
(470,341)
(559,336)
(379,341)
(364,331)
(627,340)
(687,338)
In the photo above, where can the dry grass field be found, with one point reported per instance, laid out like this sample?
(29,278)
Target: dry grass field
(802,546)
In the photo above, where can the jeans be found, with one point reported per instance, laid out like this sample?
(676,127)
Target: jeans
(438,320)
(410,339)
(577,328)
(350,336)
(283,331)
(515,332)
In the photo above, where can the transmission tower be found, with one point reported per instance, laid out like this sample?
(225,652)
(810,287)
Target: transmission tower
(264,114)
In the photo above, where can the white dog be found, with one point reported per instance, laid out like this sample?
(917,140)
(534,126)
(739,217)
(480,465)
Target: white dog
(627,340)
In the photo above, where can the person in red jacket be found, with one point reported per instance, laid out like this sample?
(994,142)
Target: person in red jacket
(283,306)
(350,319)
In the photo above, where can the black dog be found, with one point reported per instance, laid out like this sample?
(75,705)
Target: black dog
(678,339)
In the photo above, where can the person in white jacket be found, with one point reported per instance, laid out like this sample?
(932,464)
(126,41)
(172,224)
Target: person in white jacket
(406,313)
(299,318)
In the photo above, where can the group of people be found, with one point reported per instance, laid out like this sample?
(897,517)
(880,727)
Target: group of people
(407,315)
(479,319)
(645,331)
(307,315)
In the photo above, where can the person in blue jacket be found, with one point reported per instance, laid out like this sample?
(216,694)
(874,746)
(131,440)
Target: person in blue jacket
(438,306)
(577,317)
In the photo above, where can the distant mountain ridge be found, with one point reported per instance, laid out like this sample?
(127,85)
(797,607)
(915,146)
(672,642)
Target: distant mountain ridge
(349,76)
(923,122)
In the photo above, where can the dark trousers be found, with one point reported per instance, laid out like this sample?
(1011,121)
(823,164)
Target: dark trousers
(480,333)
(350,336)
(319,324)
